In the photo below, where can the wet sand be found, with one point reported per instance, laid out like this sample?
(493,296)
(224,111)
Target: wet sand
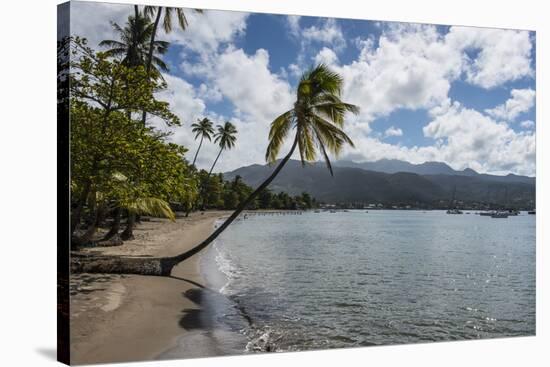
(116,318)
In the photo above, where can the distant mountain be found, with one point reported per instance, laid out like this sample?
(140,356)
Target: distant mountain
(394,166)
(357,184)
(429,168)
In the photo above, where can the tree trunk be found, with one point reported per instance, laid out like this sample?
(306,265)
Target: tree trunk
(163,266)
(150,55)
(115,227)
(197,153)
(77,212)
(88,236)
(215,161)
(128,233)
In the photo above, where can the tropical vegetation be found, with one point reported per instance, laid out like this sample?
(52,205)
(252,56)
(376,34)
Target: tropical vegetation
(122,167)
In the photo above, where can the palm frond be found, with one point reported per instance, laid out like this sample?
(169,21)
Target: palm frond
(277,134)
(167,23)
(306,145)
(111,43)
(160,63)
(151,206)
(150,11)
(182,20)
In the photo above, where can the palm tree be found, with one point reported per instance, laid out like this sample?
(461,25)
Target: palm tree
(204,129)
(156,11)
(136,44)
(317,119)
(225,137)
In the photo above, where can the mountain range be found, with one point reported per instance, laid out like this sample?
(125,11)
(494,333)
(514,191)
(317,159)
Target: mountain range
(392,181)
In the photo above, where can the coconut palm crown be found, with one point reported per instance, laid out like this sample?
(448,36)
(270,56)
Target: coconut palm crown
(317,117)
(225,137)
(203,129)
(135,43)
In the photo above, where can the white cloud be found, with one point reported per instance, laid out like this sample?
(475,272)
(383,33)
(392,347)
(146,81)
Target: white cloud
(293,22)
(463,138)
(207,31)
(411,68)
(249,84)
(527,124)
(522,100)
(295,70)
(326,56)
(183,99)
(257,95)
(393,131)
(208,93)
(93,20)
(467,138)
(328,32)
(204,34)
(502,55)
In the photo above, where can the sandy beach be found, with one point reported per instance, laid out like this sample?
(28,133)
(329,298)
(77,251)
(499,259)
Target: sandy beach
(117,318)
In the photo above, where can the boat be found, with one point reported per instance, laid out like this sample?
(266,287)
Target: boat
(487,214)
(500,215)
(454,210)
(532,212)
(317,211)
(333,211)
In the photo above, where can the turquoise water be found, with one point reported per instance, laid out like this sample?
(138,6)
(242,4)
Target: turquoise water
(328,280)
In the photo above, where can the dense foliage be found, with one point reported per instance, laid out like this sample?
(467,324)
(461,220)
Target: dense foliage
(116,161)
(228,195)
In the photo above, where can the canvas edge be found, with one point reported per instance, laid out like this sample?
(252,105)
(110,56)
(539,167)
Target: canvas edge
(63,195)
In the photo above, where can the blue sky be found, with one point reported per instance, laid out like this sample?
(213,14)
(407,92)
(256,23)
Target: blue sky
(461,95)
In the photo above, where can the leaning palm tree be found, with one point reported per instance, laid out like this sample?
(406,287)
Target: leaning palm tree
(317,119)
(204,129)
(225,137)
(135,46)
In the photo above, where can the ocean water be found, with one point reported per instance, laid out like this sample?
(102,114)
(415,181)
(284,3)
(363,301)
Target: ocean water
(345,279)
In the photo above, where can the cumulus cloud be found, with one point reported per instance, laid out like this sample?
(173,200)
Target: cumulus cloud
(393,131)
(257,96)
(411,68)
(527,124)
(328,32)
(207,31)
(522,100)
(249,84)
(93,20)
(326,56)
(501,55)
(463,138)
(468,138)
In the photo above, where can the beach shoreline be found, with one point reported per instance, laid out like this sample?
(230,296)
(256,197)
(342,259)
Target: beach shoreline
(122,318)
